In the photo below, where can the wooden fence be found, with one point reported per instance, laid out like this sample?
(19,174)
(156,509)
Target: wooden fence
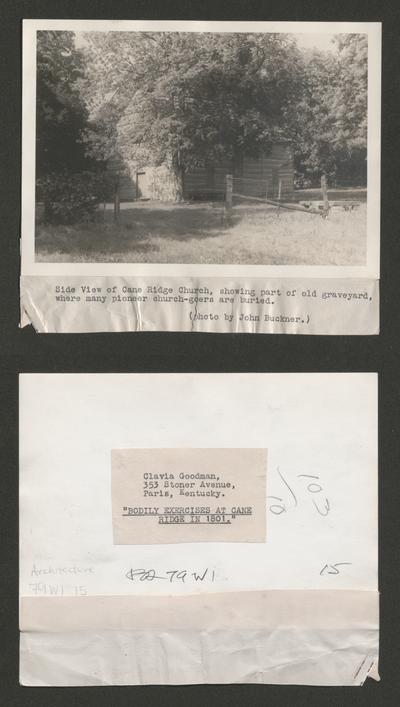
(231,193)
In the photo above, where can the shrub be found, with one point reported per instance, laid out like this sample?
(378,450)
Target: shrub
(71,198)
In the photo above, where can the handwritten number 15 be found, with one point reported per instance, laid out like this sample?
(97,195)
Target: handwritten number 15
(333,569)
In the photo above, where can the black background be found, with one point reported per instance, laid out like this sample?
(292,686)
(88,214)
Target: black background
(26,351)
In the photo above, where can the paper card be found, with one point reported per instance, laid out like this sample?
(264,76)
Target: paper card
(188,495)
(298,588)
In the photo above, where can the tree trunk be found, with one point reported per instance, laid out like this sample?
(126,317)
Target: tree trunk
(178,173)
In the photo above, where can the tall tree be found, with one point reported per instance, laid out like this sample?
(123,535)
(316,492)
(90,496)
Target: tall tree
(350,105)
(313,120)
(187,99)
(330,123)
(61,113)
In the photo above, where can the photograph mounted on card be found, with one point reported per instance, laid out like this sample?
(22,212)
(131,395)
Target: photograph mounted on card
(188,495)
(233,572)
(213,176)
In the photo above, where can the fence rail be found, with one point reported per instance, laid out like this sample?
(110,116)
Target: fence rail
(230,194)
(247,179)
(281,204)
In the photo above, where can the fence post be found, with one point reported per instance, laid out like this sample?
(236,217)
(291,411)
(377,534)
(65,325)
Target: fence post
(228,198)
(116,199)
(266,189)
(229,190)
(279,195)
(325,195)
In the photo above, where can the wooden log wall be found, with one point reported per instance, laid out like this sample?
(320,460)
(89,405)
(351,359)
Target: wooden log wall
(251,179)
(209,183)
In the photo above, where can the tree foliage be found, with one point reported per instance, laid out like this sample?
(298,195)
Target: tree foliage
(61,113)
(330,133)
(188,99)
(350,106)
(194,99)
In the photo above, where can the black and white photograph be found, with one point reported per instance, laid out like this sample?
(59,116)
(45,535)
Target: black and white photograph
(201,147)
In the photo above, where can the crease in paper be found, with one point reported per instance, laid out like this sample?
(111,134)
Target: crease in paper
(301,308)
(135,657)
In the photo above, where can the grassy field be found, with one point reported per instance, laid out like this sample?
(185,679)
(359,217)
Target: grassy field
(195,233)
